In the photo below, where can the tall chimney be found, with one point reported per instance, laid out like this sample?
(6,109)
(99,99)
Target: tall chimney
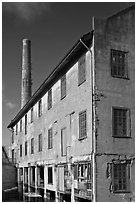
(26,72)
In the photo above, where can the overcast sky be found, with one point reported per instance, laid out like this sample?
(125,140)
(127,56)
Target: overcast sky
(53,29)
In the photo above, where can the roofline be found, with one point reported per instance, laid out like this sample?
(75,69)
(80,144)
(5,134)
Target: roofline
(122,11)
(33,100)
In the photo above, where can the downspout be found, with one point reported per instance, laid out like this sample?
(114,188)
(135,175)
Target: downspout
(93,153)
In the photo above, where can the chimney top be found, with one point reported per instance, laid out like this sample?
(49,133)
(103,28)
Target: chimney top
(25,41)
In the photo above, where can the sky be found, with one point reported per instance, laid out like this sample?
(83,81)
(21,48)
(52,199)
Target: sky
(53,29)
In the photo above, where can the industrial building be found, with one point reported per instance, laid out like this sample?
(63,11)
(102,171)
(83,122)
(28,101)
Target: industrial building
(74,138)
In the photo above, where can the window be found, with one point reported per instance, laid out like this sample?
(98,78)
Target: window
(82,125)
(40,108)
(20,150)
(26,124)
(32,145)
(50,177)
(12,155)
(121,122)
(121,177)
(119,63)
(63,142)
(40,143)
(16,129)
(82,173)
(50,146)
(20,125)
(12,136)
(26,148)
(63,86)
(49,99)
(31,115)
(81,70)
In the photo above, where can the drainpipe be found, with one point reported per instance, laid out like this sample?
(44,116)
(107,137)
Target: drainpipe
(93,154)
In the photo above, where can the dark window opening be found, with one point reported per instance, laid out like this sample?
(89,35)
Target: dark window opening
(50,175)
(63,142)
(20,150)
(16,129)
(20,125)
(41,176)
(49,99)
(121,177)
(12,136)
(119,63)
(121,122)
(32,115)
(13,156)
(25,124)
(50,142)
(25,148)
(63,86)
(40,143)
(32,146)
(40,108)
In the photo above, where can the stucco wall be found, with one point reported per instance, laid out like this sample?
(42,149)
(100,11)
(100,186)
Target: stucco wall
(115,33)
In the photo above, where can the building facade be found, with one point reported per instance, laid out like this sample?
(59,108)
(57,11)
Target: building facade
(74,138)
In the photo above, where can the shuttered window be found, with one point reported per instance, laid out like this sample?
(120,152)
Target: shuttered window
(121,177)
(49,99)
(119,63)
(50,142)
(63,142)
(121,122)
(82,125)
(81,70)
(63,86)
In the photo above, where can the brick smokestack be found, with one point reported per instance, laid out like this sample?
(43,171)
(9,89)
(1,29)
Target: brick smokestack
(26,72)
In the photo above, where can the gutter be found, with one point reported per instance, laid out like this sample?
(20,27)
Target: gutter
(93,153)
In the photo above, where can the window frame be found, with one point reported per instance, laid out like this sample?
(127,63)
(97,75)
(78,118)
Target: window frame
(116,180)
(63,87)
(125,76)
(50,138)
(81,69)
(85,136)
(128,122)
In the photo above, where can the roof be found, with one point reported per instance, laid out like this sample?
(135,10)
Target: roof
(70,58)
